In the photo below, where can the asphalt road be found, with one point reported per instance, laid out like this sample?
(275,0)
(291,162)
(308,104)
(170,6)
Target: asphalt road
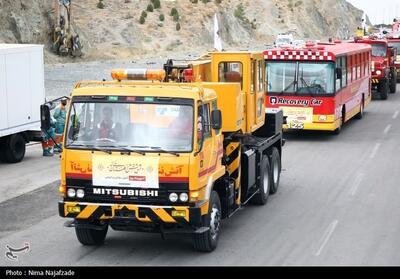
(338,204)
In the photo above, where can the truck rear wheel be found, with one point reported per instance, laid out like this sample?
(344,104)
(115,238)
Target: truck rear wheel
(91,237)
(383,89)
(276,168)
(2,151)
(208,241)
(393,82)
(261,197)
(14,148)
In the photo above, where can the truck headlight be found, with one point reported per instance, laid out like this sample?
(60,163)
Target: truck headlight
(184,197)
(80,193)
(378,72)
(173,197)
(71,193)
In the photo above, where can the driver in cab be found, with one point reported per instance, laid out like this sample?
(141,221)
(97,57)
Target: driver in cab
(107,129)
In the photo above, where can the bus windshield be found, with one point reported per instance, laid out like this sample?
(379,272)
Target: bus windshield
(378,50)
(300,78)
(130,126)
(396,45)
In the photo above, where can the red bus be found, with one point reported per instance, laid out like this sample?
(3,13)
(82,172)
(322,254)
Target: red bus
(319,86)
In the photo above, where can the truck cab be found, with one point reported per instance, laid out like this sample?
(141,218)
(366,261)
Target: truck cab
(384,75)
(148,152)
(394,42)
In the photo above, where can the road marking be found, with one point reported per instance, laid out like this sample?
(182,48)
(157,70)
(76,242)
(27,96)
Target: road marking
(327,235)
(396,114)
(375,151)
(357,183)
(387,129)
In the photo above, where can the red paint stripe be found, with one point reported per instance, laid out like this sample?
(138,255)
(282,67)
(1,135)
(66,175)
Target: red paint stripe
(174,179)
(79,176)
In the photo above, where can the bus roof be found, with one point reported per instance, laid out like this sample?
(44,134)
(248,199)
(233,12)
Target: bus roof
(316,52)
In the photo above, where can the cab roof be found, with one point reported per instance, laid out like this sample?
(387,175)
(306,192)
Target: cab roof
(145,89)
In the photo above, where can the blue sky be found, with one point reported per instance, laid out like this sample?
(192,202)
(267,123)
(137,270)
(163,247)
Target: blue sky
(386,10)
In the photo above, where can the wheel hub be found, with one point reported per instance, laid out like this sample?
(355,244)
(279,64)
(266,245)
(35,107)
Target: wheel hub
(215,222)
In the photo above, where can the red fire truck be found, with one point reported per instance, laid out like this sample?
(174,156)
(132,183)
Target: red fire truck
(319,86)
(394,42)
(384,75)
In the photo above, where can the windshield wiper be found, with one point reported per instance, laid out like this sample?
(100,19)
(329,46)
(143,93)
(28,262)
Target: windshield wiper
(90,147)
(156,148)
(165,151)
(125,148)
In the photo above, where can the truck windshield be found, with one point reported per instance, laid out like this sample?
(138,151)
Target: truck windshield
(130,126)
(300,78)
(396,45)
(379,50)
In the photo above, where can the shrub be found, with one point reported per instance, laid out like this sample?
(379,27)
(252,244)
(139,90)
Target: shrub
(142,20)
(174,11)
(100,4)
(156,4)
(162,17)
(144,14)
(178,26)
(150,8)
(176,17)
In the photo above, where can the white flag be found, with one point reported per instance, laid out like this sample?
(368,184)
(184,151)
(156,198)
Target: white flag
(217,37)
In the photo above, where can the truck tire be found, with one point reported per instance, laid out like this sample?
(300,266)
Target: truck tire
(393,82)
(14,148)
(2,151)
(383,89)
(91,237)
(276,168)
(261,197)
(208,241)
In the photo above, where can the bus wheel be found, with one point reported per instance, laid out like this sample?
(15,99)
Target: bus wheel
(91,237)
(208,241)
(393,82)
(384,89)
(261,197)
(276,168)
(361,113)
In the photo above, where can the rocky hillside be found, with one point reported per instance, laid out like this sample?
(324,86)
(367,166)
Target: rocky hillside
(124,28)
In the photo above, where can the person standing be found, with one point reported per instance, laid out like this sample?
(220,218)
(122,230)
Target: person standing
(48,139)
(60,114)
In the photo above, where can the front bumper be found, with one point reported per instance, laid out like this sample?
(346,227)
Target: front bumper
(91,212)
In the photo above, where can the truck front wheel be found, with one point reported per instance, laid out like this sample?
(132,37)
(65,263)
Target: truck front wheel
(208,241)
(14,148)
(91,237)
(383,89)
(393,82)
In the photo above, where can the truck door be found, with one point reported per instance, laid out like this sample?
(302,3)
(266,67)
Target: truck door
(208,155)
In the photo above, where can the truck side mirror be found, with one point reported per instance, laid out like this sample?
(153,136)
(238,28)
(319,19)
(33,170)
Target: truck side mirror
(45,117)
(216,119)
(339,73)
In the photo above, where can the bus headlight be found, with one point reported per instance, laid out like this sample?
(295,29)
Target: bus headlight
(71,193)
(378,72)
(322,118)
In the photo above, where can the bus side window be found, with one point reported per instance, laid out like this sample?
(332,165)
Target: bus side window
(344,68)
